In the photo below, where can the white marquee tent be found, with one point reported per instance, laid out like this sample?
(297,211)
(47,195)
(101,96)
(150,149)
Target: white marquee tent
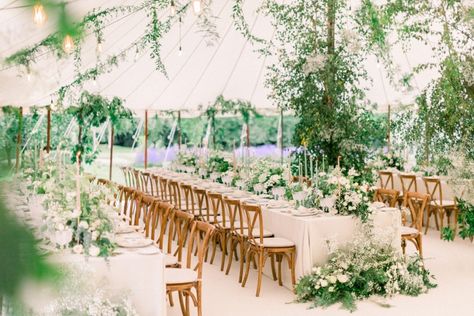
(229,67)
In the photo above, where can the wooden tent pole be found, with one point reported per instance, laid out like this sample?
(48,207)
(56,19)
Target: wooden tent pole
(18,139)
(146,139)
(111,149)
(48,131)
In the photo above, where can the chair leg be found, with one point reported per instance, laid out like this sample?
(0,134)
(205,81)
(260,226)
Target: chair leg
(436,219)
(224,250)
(272,260)
(170,298)
(214,246)
(259,271)
(181,303)
(428,220)
(441,224)
(242,259)
(248,259)
(404,246)
(280,280)
(232,248)
(292,263)
(199,298)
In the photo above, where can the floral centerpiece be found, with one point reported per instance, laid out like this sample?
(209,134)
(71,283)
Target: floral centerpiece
(88,230)
(361,269)
(263,175)
(339,194)
(391,159)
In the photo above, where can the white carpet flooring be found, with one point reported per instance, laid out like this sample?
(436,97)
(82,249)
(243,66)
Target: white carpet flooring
(451,262)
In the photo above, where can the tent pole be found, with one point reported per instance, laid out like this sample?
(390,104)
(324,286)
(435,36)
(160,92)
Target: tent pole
(146,139)
(18,139)
(111,141)
(179,131)
(388,129)
(48,131)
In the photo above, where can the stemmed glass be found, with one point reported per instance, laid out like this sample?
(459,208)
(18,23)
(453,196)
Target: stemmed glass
(299,198)
(278,192)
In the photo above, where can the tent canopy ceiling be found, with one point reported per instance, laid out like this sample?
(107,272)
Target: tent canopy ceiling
(195,78)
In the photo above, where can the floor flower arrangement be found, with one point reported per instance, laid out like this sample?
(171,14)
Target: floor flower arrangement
(361,269)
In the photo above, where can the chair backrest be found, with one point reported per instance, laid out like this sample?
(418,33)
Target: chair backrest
(174,193)
(202,203)
(163,188)
(126,175)
(146,205)
(105,182)
(217,207)
(127,200)
(417,203)
(387,196)
(155,185)
(235,213)
(200,234)
(145,180)
(180,222)
(386,179)
(188,193)
(254,222)
(159,221)
(137,181)
(408,182)
(433,188)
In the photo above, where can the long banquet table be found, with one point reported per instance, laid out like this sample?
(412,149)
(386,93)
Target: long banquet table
(312,235)
(130,272)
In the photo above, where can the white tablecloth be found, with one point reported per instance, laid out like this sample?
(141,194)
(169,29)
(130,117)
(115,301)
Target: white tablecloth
(313,235)
(139,277)
(421,188)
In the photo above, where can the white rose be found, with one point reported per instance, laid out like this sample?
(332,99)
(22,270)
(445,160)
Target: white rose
(60,227)
(324,283)
(83,224)
(94,251)
(94,235)
(77,249)
(332,279)
(331,289)
(342,278)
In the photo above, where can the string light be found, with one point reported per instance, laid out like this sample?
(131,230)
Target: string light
(28,75)
(68,44)
(39,14)
(197,6)
(137,53)
(180,50)
(172,8)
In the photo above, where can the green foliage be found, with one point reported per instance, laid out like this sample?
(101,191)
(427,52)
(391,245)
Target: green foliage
(94,110)
(21,258)
(360,270)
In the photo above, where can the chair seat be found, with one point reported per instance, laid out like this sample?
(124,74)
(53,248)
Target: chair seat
(170,260)
(446,203)
(275,242)
(409,231)
(180,276)
(256,232)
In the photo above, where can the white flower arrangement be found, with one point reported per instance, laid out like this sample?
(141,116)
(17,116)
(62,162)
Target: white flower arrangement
(360,269)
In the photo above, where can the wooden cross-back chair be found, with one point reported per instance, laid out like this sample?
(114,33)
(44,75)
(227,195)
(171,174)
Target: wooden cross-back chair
(146,182)
(260,248)
(136,179)
(155,184)
(185,280)
(409,184)
(202,204)
(174,194)
(128,202)
(386,179)
(145,204)
(387,196)
(190,204)
(439,206)
(221,222)
(163,186)
(417,203)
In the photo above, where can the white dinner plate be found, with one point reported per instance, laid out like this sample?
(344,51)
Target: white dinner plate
(149,251)
(134,243)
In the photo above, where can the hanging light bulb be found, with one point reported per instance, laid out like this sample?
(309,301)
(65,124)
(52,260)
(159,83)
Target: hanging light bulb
(68,44)
(28,76)
(137,54)
(39,14)
(172,8)
(180,51)
(197,6)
